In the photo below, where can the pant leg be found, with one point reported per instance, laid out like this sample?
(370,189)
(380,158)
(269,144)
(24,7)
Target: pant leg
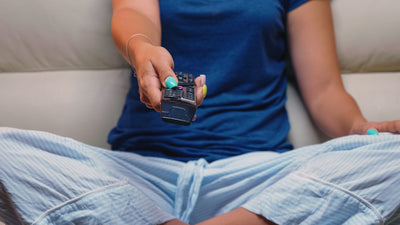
(356,182)
(351,180)
(229,183)
(55,180)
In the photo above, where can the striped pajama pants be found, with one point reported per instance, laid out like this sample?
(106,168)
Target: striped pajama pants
(56,180)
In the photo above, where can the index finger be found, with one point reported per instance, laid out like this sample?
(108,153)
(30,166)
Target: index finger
(164,67)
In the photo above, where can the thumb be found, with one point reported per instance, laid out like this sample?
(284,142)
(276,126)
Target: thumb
(164,67)
(372,131)
(371,128)
(201,89)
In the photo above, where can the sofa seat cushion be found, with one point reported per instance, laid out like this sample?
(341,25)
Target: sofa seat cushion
(83,105)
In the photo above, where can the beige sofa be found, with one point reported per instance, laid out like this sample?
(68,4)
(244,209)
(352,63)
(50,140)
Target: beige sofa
(61,73)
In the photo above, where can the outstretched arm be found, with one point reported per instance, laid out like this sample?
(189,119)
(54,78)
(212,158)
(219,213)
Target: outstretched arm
(314,57)
(136,30)
(135,17)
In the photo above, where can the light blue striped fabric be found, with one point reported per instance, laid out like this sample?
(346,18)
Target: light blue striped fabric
(56,180)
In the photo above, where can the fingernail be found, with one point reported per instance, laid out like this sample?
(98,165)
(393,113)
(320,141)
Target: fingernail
(170,82)
(203,79)
(204,90)
(372,132)
(203,83)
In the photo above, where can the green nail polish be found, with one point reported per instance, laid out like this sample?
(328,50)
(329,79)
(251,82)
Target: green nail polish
(372,132)
(170,82)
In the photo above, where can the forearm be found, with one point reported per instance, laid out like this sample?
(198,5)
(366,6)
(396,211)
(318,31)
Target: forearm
(136,30)
(335,112)
(127,21)
(313,51)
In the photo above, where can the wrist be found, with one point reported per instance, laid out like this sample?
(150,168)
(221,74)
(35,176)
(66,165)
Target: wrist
(134,42)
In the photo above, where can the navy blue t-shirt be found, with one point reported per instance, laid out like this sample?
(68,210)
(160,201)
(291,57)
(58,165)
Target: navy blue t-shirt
(241,46)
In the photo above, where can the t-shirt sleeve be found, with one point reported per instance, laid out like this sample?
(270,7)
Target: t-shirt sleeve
(295,3)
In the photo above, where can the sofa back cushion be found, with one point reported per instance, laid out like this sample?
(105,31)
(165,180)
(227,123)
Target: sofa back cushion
(59,35)
(367,35)
(56,35)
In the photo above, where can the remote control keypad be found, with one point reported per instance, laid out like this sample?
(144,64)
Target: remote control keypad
(184,91)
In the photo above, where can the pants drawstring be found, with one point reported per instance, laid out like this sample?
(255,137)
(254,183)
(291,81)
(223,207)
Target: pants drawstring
(189,183)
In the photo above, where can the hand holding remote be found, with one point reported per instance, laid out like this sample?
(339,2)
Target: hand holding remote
(179,103)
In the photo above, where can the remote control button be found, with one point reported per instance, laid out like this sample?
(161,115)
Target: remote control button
(180,78)
(168,93)
(190,93)
(178,93)
(190,80)
(190,96)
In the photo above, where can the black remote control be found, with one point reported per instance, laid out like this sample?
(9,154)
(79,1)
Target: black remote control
(178,105)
